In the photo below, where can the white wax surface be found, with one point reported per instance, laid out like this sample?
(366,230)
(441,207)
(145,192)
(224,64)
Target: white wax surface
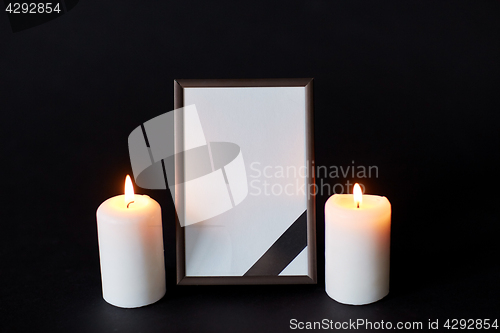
(357,248)
(131,251)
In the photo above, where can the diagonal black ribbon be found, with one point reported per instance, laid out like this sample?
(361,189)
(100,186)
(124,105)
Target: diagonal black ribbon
(283,251)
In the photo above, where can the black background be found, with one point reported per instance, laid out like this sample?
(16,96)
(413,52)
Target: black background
(411,87)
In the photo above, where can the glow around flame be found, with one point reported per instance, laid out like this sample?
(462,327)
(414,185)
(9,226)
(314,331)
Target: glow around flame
(129,190)
(358,195)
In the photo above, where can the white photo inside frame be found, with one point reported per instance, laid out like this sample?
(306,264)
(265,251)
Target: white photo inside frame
(261,230)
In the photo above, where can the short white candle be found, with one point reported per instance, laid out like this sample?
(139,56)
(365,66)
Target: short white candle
(357,247)
(131,249)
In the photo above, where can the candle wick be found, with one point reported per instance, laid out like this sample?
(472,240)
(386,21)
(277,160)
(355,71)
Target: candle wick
(358,204)
(133,201)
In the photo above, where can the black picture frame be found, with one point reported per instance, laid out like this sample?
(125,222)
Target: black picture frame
(310,215)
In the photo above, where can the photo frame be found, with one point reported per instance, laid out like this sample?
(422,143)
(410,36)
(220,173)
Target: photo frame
(261,129)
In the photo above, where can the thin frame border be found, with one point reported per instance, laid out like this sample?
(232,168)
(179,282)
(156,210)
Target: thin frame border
(307,83)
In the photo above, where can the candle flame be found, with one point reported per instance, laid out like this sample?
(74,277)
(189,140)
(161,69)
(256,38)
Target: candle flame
(129,190)
(358,195)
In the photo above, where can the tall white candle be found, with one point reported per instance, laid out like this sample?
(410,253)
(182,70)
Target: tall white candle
(131,249)
(357,247)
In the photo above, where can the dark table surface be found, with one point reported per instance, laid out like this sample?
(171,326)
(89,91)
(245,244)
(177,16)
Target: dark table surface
(409,87)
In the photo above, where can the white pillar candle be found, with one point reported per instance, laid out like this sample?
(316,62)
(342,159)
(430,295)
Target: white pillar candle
(131,249)
(357,247)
